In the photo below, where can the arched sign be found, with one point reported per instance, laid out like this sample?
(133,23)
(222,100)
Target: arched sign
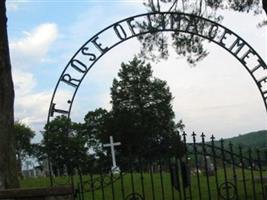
(85,58)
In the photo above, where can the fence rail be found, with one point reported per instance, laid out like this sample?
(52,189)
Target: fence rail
(208,170)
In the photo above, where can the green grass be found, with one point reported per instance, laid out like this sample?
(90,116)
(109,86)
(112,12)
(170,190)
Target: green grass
(162,185)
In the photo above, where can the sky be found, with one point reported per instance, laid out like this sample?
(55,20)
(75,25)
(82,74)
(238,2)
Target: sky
(217,96)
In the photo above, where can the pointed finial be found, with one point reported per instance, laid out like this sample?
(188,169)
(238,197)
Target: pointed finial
(194,137)
(212,138)
(203,137)
(184,136)
(194,134)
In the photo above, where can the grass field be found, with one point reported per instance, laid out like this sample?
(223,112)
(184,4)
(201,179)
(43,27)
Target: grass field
(158,186)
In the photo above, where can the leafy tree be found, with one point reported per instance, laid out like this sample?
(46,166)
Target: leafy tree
(8,171)
(96,130)
(155,45)
(23,135)
(64,146)
(96,127)
(38,153)
(142,115)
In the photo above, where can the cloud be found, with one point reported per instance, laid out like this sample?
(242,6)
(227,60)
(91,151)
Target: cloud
(24,82)
(15,5)
(31,104)
(32,108)
(33,47)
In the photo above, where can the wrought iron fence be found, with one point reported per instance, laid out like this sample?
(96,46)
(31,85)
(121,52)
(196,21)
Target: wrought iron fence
(209,170)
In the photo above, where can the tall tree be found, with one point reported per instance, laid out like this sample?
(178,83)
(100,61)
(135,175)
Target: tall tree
(63,145)
(96,128)
(142,115)
(8,171)
(24,148)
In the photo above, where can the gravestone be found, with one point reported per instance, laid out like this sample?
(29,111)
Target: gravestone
(186,171)
(210,167)
(175,177)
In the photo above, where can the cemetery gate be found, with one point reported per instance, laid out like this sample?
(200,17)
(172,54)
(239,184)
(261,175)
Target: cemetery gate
(210,170)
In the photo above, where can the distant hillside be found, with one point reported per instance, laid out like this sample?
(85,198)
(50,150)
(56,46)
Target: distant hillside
(256,139)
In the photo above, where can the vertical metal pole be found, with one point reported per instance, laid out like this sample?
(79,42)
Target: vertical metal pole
(261,176)
(161,180)
(112,186)
(171,179)
(197,164)
(152,181)
(186,162)
(142,178)
(72,182)
(252,173)
(92,186)
(132,178)
(215,162)
(122,186)
(224,168)
(180,162)
(243,172)
(79,192)
(50,171)
(233,168)
(178,177)
(81,184)
(205,163)
(102,184)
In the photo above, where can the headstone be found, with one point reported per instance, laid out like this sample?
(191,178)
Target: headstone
(45,166)
(210,167)
(186,178)
(174,176)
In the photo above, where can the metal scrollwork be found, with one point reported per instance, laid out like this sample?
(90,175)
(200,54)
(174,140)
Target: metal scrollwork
(134,196)
(227,191)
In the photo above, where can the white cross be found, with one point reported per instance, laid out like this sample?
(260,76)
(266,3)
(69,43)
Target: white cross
(111,145)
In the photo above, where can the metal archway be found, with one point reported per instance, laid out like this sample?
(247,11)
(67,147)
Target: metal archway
(123,30)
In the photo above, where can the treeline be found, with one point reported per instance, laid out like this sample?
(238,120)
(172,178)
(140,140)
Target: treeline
(141,118)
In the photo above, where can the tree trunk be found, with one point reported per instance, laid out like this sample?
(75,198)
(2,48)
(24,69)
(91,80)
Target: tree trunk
(19,166)
(264,5)
(8,167)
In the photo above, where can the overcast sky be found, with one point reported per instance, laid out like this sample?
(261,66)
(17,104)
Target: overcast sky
(218,96)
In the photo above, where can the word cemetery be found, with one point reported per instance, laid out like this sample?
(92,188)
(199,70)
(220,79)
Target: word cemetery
(98,45)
